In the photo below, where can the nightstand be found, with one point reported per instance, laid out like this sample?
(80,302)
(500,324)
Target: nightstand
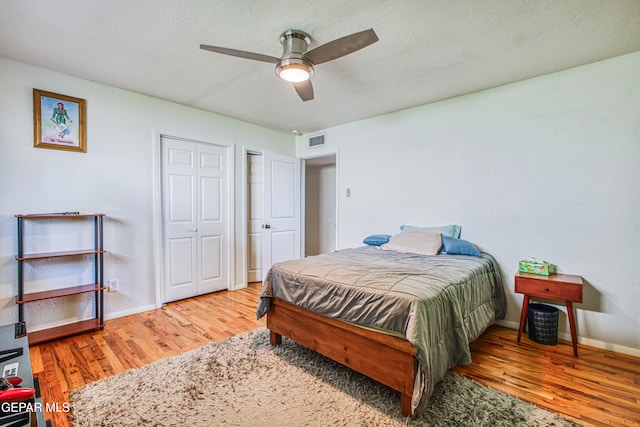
(561,287)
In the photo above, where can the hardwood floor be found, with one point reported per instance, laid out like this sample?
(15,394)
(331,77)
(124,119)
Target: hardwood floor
(597,388)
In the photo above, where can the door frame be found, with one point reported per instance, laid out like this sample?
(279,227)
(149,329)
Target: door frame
(241,253)
(243,206)
(158,234)
(242,203)
(303,195)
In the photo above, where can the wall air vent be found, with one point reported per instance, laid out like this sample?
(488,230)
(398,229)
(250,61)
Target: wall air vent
(317,140)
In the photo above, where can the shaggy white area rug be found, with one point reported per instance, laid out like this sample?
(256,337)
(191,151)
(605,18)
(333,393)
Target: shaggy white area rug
(244,381)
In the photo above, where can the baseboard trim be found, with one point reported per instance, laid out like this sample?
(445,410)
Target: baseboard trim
(123,313)
(602,345)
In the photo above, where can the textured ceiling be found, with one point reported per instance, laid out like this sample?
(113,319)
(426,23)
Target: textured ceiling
(428,50)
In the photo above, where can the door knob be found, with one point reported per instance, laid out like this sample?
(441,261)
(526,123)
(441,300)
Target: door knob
(195,230)
(266,226)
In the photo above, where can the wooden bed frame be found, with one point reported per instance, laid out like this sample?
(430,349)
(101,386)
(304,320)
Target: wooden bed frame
(384,358)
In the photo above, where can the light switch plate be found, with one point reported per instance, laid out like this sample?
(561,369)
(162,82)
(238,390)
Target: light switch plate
(10,370)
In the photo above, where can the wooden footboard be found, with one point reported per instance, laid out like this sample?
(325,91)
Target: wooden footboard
(384,358)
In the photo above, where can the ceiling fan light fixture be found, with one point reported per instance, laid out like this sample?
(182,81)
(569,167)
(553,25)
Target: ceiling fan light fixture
(294,73)
(294,70)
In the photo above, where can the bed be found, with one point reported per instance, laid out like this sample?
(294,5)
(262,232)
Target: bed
(401,318)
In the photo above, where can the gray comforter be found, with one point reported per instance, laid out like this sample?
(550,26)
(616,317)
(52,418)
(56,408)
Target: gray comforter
(438,303)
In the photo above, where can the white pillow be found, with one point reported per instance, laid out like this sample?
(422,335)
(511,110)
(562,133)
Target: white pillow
(418,242)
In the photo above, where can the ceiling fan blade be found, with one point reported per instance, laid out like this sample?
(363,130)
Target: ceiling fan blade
(240,53)
(341,47)
(305,90)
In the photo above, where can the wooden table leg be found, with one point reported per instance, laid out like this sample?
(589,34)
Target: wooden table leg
(572,326)
(523,315)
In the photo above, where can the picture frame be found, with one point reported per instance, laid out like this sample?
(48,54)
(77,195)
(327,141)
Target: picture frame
(59,121)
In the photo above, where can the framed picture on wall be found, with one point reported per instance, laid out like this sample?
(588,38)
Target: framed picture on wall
(59,121)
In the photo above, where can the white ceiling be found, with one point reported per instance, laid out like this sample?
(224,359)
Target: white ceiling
(428,50)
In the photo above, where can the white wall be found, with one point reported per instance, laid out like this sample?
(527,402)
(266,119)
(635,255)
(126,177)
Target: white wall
(116,177)
(548,167)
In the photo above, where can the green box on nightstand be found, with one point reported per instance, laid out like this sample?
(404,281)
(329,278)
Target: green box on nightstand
(537,267)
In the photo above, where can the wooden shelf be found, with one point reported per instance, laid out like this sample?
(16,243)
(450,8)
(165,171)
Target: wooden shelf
(58,215)
(64,331)
(59,254)
(62,292)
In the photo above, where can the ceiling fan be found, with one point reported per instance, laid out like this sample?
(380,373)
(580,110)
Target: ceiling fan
(296,63)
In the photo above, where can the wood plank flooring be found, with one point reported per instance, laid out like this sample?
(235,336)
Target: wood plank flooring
(598,388)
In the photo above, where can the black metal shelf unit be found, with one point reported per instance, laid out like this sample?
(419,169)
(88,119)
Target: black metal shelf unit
(97,287)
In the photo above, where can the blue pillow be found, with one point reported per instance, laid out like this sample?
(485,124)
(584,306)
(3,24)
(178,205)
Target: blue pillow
(376,239)
(459,247)
(451,230)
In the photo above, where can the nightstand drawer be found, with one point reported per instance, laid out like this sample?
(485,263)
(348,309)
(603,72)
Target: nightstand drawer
(548,289)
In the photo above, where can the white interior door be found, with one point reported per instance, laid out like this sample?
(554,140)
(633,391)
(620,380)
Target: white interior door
(195,202)
(281,202)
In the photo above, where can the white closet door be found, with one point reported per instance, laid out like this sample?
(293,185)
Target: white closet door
(195,203)
(212,235)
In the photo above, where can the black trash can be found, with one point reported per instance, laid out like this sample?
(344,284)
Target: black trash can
(543,324)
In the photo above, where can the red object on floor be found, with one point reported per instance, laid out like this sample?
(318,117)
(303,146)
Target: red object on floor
(19,394)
